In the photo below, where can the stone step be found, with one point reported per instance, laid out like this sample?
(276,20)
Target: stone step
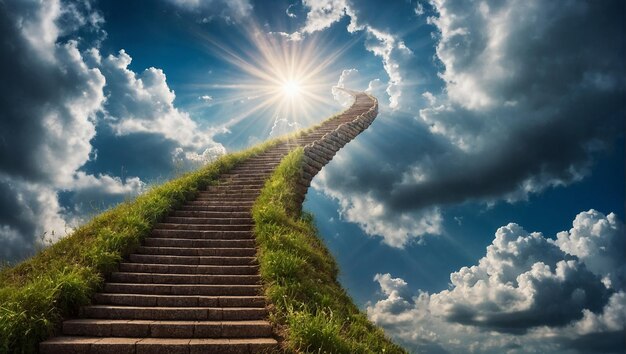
(192,260)
(239,184)
(228,191)
(216,208)
(182,289)
(246,175)
(158,278)
(188,251)
(195,232)
(167,329)
(227,198)
(193,286)
(262,159)
(203,226)
(93,345)
(261,165)
(232,203)
(179,300)
(242,180)
(211,221)
(252,170)
(187,269)
(231,176)
(213,214)
(174,313)
(186,242)
(212,190)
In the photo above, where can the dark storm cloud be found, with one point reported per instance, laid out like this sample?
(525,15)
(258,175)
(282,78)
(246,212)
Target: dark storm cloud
(533,92)
(40,81)
(13,245)
(48,98)
(601,342)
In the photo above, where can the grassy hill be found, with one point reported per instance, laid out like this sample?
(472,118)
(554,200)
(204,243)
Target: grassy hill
(309,309)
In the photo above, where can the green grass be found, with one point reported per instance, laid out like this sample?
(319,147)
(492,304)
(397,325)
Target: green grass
(36,294)
(310,309)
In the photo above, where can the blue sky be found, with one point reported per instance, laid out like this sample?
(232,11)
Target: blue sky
(482,210)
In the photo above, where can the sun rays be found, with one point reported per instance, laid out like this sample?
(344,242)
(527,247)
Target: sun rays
(270,77)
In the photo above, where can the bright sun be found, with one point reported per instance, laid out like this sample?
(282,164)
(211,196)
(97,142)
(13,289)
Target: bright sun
(275,77)
(291,88)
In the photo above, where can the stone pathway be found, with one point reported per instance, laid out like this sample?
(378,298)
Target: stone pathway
(194,285)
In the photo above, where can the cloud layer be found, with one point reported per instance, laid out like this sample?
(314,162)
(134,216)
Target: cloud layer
(59,100)
(532,92)
(528,289)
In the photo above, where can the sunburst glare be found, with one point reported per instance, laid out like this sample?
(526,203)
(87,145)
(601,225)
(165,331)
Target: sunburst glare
(273,78)
(291,89)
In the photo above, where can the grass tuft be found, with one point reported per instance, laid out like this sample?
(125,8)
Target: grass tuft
(309,307)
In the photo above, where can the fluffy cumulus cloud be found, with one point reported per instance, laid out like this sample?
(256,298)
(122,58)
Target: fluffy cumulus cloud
(144,103)
(532,93)
(283,126)
(58,97)
(346,80)
(321,14)
(598,241)
(528,293)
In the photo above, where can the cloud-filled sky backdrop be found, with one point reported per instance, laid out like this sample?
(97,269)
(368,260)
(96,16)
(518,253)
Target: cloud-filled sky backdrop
(483,211)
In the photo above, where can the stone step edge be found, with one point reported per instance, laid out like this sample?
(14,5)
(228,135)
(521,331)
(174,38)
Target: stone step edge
(75,344)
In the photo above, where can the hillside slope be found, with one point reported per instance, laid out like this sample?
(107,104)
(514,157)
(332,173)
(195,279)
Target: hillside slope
(187,280)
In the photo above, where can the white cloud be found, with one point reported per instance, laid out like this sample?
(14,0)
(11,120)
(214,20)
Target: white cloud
(373,86)
(50,98)
(534,296)
(283,126)
(514,286)
(293,37)
(107,185)
(145,103)
(419,9)
(430,98)
(194,159)
(323,13)
(289,11)
(505,125)
(347,79)
(54,96)
(206,98)
(397,229)
(384,45)
(34,218)
(228,10)
(600,242)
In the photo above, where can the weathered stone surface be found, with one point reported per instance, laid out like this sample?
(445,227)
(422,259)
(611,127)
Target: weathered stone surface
(163,346)
(322,153)
(313,155)
(310,169)
(328,153)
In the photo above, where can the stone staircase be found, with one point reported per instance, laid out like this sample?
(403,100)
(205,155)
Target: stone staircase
(194,286)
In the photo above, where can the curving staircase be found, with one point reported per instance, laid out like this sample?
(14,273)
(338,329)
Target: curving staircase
(194,286)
